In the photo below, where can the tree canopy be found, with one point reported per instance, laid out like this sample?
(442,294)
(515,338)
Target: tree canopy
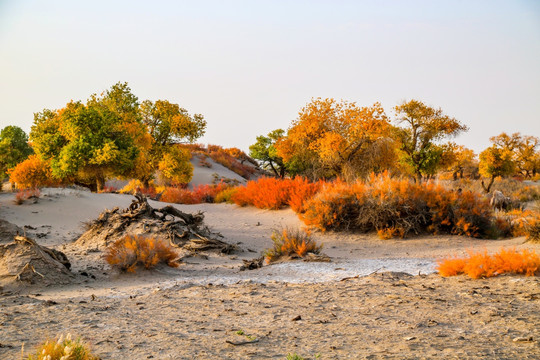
(91,142)
(265,151)
(332,138)
(14,148)
(422,127)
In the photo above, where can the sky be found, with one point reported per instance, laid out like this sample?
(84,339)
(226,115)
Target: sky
(250,66)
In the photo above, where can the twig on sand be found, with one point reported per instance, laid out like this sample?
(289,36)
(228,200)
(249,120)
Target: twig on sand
(357,276)
(237,343)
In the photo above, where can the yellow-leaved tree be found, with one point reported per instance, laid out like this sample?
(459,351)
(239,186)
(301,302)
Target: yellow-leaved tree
(337,139)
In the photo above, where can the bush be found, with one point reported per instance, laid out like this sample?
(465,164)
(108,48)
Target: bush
(480,264)
(31,173)
(63,349)
(395,207)
(293,243)
(199,194)
(132,251)
(273,193)
(226,195)
(519,223)
(264,193)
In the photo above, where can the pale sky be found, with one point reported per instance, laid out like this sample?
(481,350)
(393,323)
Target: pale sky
(250,66)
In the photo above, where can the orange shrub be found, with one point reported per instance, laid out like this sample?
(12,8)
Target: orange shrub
(31,173)
(132,251)
(273,193)
(289,242)
(264,193)
(480,264)
(300,191)
(396,207)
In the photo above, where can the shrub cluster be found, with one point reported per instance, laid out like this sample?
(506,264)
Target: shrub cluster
(292,243)
(272,193)
(63,349)
(31,173)
(480,264)
(199,194)
(131,251)
(395,207)
(519,223)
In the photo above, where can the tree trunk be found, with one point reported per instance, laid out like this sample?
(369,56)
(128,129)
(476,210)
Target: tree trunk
(488,188)
(100,183)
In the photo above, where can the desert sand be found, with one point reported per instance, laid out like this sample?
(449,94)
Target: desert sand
(365,303)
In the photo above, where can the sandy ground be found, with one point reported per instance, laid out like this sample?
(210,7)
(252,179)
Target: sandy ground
(191,311)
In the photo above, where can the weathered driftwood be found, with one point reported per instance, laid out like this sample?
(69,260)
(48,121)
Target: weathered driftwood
(180,229)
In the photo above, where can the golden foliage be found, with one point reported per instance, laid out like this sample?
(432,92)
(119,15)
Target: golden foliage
(332,138)
(175,166)
(31,173)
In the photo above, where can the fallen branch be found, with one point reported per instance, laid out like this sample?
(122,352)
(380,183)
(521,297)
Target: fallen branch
(237,343)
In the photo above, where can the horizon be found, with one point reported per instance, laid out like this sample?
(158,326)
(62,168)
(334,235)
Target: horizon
(249,68)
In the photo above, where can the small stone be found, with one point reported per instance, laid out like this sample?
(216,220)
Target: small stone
(409,338)
(297,318)
(523,339)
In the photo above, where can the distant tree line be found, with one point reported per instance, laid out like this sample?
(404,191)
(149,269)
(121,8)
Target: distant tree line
(338,139)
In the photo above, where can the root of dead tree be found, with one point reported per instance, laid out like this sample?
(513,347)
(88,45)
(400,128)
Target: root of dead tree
(180,229)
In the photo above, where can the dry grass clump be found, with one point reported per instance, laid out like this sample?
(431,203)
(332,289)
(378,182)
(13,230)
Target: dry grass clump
(481,265)
(272,193)
(396,207)
(292,243)
(131,251)
(63,349)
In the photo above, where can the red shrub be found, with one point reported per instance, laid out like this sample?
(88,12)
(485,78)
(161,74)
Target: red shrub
(199,194)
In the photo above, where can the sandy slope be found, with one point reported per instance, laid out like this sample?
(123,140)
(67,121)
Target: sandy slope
(176,313)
